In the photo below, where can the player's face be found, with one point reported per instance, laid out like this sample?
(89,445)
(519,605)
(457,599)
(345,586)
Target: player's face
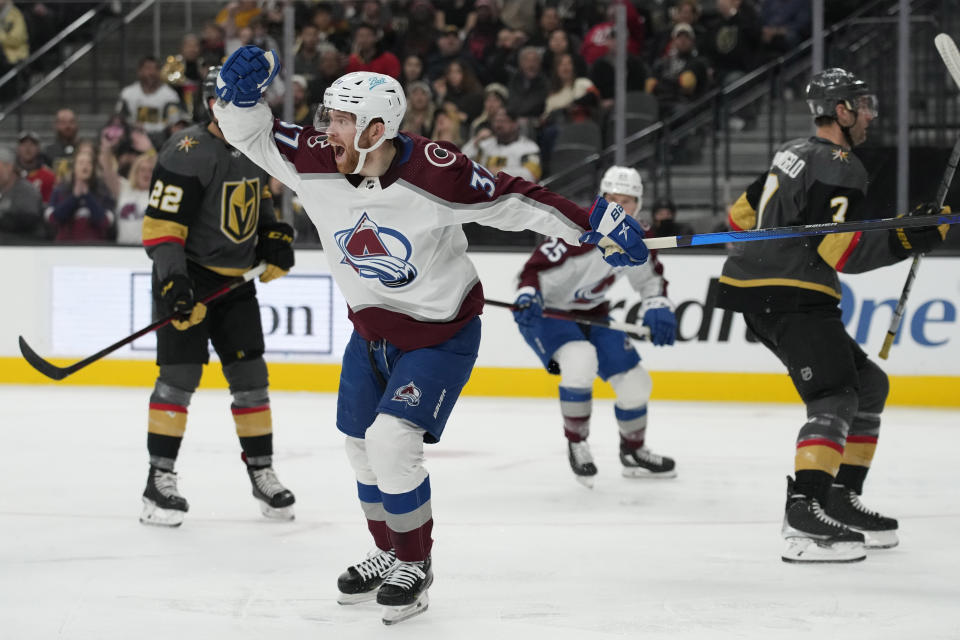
(341,128)
(629,203)
(859,122)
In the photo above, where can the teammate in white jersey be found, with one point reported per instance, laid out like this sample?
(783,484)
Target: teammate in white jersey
(389,208)
(561,276)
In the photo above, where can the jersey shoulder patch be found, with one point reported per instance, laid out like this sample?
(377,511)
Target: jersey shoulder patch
(189,152)
(834,165)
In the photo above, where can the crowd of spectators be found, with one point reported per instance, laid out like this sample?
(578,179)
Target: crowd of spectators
(496,77)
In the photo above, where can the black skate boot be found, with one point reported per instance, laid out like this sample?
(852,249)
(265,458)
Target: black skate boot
(162,503)
(879,532)
(813,536)
(359,583)
(403,593)
(643,463)
(276,501)
(581,462)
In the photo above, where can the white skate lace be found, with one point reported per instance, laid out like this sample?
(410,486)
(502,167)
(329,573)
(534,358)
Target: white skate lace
(266,481)
(855,501)
(405,574)
(376,565)
(581,452)
(648,456)
(166,483)
(821,515)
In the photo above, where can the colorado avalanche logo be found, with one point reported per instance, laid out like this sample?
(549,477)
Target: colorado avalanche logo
(594,291)
(409,393)
(373,252)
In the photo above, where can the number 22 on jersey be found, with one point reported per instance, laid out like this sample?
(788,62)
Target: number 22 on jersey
(165,197)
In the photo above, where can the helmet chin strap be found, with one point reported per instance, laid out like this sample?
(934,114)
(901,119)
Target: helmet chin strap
(363,152)
(846,130)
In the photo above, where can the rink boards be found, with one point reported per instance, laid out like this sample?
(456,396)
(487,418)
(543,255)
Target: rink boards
(71,302)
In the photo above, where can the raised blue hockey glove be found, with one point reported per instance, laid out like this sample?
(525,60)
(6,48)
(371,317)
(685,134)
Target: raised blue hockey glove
(662,321)
(246,74)
(616,234)
(528,307)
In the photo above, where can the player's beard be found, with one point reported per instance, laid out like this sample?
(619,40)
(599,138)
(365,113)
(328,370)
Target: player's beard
(858,135)
(347,163)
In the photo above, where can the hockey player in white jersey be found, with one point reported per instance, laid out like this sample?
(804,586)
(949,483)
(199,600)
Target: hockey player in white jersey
(562,276)
(389,208)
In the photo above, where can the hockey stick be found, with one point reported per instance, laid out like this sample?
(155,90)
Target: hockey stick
(581,318)
(951,59)
(59,373)
(799,231)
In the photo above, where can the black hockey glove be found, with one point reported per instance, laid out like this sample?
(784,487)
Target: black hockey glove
(275,245)
(176,294)
(908,241)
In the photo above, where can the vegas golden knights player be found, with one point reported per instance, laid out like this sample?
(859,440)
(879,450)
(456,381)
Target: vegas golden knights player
(788,291)
(210,218)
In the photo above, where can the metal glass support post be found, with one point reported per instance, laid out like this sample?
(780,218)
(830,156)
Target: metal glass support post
(620,84)
(817,9)
(289,55)
(156,30)
(903,106)
(714,150)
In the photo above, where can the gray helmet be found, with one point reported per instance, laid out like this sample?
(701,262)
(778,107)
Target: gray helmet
(208,91)
(833,86)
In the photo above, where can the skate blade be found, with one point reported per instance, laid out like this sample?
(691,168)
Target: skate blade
(639,472)
(586,481)
(393,615)
(154,515)
(356,598)
(879,539)
(808,551)
(276,513)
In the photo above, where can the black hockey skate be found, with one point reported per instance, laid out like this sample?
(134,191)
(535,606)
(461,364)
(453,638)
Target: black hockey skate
(643,463)
(162,503)
(276,501)
(581,462)
(403,593)
(879,532)
(359,583)
(813,536)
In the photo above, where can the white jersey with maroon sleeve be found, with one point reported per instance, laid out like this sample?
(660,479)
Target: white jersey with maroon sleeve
(576,278)
(395,243)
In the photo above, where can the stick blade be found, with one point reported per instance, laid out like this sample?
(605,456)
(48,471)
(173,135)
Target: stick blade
(51,371)
(947,49)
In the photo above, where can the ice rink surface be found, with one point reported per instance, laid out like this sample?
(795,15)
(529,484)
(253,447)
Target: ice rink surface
(521,550)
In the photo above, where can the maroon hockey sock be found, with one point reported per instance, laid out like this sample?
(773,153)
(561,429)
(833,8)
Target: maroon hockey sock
(415,545)
(576,429)
(381,535)
(631,444)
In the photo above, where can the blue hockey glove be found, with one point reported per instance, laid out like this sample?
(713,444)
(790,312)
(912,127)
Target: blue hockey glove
(528,307)
(616,234)
(661,320)
(246,74)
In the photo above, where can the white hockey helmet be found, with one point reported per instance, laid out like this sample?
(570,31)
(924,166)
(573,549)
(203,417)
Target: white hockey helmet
(368,96)
(623,180)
